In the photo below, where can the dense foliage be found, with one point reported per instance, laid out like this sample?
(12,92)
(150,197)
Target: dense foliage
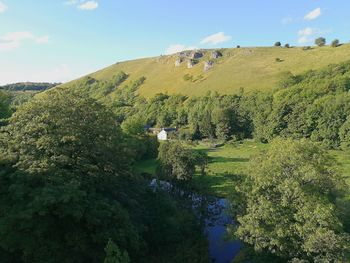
(29,86)
(312,105)
(288,204)
(5,110)
(67,191)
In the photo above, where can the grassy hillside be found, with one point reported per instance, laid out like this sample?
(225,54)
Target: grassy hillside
(251,68)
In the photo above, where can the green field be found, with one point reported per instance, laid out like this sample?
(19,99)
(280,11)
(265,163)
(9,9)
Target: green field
(231,159)
(250,68)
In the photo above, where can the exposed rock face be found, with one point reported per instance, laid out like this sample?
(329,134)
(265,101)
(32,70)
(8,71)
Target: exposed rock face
(208,65)
(190,63)
(185,54)
(178,62)
(216,54)
(196,55)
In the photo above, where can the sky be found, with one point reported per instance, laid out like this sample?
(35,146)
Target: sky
(60,40)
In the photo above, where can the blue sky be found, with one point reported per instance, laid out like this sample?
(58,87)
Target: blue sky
(59,40)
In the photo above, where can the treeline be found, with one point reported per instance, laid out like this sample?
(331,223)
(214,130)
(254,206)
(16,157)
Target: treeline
(312,105)
(29,86)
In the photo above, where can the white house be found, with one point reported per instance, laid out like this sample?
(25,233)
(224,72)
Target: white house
(163,135)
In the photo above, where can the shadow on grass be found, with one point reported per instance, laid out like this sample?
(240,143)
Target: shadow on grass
(218,184)
(220,159)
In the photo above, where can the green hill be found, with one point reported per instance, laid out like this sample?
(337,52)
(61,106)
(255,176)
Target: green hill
(29,86)
(252,68)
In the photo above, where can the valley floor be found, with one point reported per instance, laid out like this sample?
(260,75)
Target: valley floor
(233,158)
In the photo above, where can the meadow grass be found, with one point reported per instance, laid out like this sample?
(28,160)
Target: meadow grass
(233,159)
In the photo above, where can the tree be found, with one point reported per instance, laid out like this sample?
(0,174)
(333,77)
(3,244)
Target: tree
(321,41)
(134,125)
(176,162)
(5,110)
(114,255)
(287,45)
(335,43)
(277,44)
(66,131)
(201,160)
(290,208)
(221,120)
(64,177)
(344,135)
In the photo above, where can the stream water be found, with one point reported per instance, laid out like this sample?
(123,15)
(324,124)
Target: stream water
(221,249)
(216,220)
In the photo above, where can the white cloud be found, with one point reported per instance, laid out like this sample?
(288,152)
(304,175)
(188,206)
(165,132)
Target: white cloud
(308,34)
(175,48)
(306,31)
(216,39)
(3,7)
(17,36)
(89,5)
(13,40)
(43,40)
(71,2)
(7,46)
(313,14)
(305,35)
(303,40)
(83,4)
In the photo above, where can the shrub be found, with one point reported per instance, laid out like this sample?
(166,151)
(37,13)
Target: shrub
(278,44)
(335,43)
(278,60)
(187,77)
(321,41)
(287,45)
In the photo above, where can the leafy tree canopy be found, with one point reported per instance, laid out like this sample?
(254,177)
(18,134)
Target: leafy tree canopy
(290,203)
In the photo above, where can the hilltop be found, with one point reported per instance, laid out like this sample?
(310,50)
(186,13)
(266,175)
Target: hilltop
(29,86)
(256,68)
(23,91)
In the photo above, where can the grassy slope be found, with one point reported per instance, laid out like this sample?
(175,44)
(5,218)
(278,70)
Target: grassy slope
(251,68)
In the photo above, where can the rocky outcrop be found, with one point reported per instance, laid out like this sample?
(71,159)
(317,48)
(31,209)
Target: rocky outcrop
(196,54)
(208,65)
(185,54)
(178,62)
(190,63)
(216,54)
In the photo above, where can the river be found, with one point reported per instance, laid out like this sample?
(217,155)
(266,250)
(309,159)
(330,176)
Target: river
(221,249)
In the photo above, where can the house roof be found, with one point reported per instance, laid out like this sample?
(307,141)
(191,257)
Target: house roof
(169,129)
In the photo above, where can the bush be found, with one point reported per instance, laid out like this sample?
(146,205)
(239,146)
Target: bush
(175,162)
(287,45)
(306,48)
(278,44)
(238,46)
(187,77)
(278,60)
(321,41)
(335,43)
